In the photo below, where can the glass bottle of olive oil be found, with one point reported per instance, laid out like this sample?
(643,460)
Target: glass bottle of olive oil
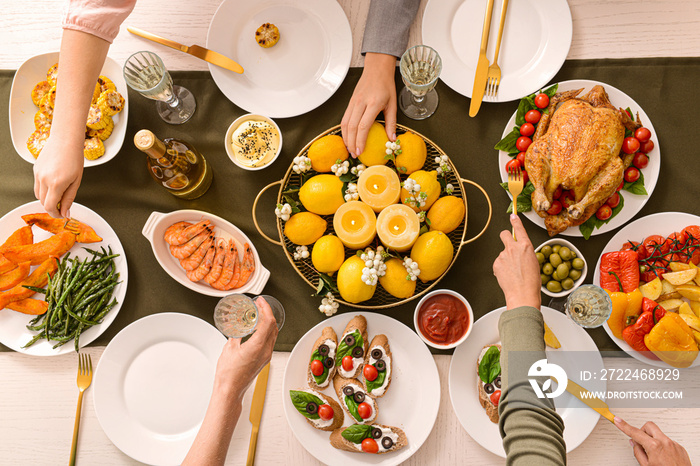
(175,165)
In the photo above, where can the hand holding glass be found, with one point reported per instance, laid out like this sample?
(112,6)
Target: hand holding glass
(236,315)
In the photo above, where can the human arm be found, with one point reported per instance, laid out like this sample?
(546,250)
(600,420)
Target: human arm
(238,366)
(652,447)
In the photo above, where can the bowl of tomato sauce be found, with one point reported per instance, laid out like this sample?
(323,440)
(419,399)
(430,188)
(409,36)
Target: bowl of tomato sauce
(443,319)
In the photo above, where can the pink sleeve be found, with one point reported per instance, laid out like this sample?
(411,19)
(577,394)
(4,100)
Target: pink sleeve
(100,18)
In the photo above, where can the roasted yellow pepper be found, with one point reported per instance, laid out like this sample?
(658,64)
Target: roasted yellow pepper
(672,341)
(626,307)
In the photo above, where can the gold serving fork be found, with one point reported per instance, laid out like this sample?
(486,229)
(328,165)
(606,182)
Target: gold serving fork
(73,226)
(515,187)
(84,381)
(494,74)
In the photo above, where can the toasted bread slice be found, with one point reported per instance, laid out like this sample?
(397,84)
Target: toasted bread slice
(341,443)
(327,334)
(356,323)
(485,398)
(339,383)
(383,342)
(338,416)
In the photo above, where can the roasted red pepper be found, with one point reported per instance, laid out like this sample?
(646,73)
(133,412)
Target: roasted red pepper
(619,269)
(634,334)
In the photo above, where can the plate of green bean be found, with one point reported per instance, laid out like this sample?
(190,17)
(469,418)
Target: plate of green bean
(84,295)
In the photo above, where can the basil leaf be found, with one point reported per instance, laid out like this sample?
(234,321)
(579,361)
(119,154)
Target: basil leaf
(587,227)
(378,382)
(550,91)
(356,433)
(319,378)
(523,107)
(490,365)
(301,399)
(524,198)
(637,187)
(344,349)
(507,144)
(352,407)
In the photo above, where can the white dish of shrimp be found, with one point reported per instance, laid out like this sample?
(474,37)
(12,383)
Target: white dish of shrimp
(205,253)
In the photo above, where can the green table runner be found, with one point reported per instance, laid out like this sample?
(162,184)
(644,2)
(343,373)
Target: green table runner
(123,193)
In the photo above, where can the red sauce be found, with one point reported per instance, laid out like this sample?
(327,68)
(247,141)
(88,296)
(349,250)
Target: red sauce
(443,319)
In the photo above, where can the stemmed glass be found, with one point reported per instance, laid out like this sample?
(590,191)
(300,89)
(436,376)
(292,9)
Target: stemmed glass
(145,73)
(588,306)
(420,68)
(236,315)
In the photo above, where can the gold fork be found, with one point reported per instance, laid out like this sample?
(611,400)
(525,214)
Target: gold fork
(72,225)
(515,187)
(494,74)
(84,381)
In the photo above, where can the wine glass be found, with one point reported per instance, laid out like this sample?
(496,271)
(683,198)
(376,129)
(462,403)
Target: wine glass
(420,68)
(236,315)
(588,306)
(145,73)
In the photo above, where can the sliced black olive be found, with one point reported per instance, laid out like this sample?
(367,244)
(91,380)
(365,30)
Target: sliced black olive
(377,353)
(357,352)
(329,363)
(323,350)
(376,433)
(380,365)
(387,442)
(497,382)
(359,397)
(348,391)
(350,340)
(488,388)
(311,408)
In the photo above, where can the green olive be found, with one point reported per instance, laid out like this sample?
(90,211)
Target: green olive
(574,274)
(578,264)
(567,284)
(548,269)
(545,278)
(573,254)
(540,257)
(546,250)
(555,259)
(565,253)
(568,264)
(556,248)
(555,276)
(554,286)
(562,271)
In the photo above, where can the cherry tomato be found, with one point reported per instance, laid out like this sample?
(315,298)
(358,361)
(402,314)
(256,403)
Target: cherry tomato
(654,269)
(542,100)
(521,158)
(347,363)
(370,372)
(512,166)
(523,143)
(647,147)
(640,160)
(629,113)
(630,145)
(325,412)
(642,134)
(369,445)
(635,246)
(555,209)
(527,129)
(533,116)
(557,193)
(631,174)
(656,245)
(567,199)
(364,410)
(614,200)
(526,177)
(604,213)
(677,241)
(622,185)
(496,397)
(316,367)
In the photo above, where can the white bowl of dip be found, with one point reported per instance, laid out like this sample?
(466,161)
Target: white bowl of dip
(253,142)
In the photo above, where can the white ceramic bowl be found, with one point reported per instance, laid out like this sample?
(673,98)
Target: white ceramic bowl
(236,123)
(451,293)
(22,109)
(584,272)
(158,222)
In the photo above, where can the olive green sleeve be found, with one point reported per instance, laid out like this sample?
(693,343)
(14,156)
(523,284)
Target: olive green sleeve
(531,429)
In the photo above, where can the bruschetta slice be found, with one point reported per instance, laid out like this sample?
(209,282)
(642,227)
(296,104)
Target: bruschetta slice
(321,411)
(377,369)
(361,407)
(352,348)
(488,380)
(322,368)
(375,438)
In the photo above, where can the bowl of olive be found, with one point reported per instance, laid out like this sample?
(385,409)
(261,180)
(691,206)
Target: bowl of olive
(562,267)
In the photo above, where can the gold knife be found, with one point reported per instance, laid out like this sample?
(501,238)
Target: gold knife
(591,401)
(482,66)
(194,50)
(256,409)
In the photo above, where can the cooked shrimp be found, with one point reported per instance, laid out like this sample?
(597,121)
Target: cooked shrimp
(205,267)
(247,267)
(184,251)
(189,233)
(52,74)
(227,269)
(193,261)
(218,263)
(40,91)
(173,230)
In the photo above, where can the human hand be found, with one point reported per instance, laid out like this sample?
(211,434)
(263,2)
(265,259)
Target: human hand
(57,174)
(652,447)
(516,268)
(375,92)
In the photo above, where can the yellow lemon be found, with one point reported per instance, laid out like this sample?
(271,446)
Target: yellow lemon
(352,288)
(328,254)
(429,190)
(446,214)
(395,280)
(375,147)
(304,228)
(433,251)
(322,194)
(325,151)
(413,153)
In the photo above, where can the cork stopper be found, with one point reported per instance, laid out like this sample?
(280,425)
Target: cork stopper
(147,142)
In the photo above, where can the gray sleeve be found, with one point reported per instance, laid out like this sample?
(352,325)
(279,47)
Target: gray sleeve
(532,431)
(388,22)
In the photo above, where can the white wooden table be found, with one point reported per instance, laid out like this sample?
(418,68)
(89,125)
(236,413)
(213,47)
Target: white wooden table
(38,395)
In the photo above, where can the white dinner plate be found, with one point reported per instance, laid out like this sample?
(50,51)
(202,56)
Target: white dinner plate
(13,325)
(411,402)
(535,43)
(153,384)
(662,224)
(22,109)
(579,420)
(294,76)
(155,227)
(633,202)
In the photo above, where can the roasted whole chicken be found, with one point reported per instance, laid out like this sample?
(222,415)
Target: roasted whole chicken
(577,146)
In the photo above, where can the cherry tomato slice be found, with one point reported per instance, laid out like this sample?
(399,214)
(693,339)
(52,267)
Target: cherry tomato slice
(640,160)
(542,100)
(614,200)
(642,134)
(513,166)
(647,147)
(325,412)
(496,397)
(631,174)
(557,193)
(604,213)
(316,367)
(364,410)
(523,143)
(369,445)
(630,145)
(521,158)
(370,372)
(567,199)
(347,363)
(533,116)
(555,208)
(527,129)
